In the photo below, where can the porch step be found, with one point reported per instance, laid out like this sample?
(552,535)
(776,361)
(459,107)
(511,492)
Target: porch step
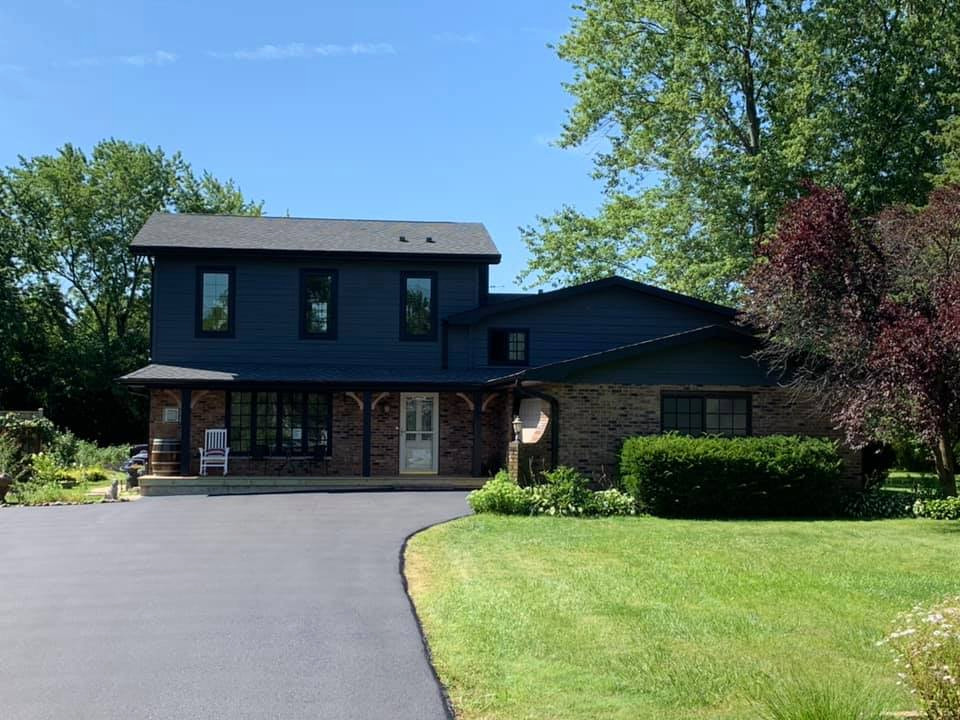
(238,484)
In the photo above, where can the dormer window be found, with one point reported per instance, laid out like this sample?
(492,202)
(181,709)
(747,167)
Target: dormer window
(216,300)
(318,304)
(418,306)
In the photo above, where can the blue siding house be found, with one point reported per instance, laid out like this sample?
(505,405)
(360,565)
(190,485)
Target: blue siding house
(358,351)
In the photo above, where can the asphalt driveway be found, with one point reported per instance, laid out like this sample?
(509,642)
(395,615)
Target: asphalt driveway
(270,606)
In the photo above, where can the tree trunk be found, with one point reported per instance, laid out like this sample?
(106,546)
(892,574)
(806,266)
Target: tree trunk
(946,466)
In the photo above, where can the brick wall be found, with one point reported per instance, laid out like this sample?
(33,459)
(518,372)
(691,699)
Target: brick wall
(456,435)
(594,420)
(455,421)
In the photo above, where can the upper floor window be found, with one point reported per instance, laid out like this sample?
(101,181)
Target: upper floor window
(418,306)
(706,414)
(318,304)
(508,346)
(216,293)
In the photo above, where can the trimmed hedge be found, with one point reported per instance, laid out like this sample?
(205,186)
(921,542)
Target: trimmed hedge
(772,476)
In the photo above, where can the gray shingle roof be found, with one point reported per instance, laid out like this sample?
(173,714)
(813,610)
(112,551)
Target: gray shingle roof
(155,374)
(185,231)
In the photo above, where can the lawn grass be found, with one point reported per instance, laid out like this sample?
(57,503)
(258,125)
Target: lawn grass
(649,618)
(909,481)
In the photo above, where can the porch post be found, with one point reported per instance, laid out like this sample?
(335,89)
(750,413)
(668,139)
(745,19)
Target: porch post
(477,432)
(185,449)
(366,433)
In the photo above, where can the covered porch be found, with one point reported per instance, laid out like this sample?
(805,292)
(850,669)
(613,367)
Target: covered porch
(314,428)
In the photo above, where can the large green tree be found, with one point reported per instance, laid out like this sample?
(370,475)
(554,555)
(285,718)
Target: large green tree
(708,113)
(80,298)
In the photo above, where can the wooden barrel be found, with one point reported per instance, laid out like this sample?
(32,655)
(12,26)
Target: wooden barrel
(165,456)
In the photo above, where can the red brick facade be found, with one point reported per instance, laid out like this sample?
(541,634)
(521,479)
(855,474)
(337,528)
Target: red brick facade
(594,420)
(455,458)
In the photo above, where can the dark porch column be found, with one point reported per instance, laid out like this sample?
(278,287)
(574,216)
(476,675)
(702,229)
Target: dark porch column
(366,433)
(477,433)
(185,449)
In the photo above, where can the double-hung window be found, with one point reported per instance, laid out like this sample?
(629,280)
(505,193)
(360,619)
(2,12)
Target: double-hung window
(693,414)
(418,306)
(279,423)
(216,302)
(318,304)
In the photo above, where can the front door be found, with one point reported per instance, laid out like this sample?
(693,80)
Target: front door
(419,422)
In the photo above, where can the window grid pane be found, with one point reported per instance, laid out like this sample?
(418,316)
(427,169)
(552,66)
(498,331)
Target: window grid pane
(240,417)
(712,415)
(216,302)
(517,347)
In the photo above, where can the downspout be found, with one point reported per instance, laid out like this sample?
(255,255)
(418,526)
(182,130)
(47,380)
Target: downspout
(554,416)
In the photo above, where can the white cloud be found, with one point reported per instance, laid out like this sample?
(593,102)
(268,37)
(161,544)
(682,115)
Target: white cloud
(304,51)
(158,57)
(454,38)
(155,58)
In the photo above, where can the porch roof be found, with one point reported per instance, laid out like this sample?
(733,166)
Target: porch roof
(348,377)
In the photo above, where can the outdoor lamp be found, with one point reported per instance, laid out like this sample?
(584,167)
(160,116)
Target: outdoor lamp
(517,428)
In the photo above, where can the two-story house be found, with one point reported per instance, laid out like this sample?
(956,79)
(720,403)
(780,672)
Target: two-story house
(365,351)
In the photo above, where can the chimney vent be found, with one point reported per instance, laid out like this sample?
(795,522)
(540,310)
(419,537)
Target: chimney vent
(402,239)
(429,240)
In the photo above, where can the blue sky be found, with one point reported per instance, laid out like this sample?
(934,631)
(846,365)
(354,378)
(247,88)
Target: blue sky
(427,110)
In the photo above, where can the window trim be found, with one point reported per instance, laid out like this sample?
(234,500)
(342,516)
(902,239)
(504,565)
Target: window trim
(430,275)
(704,395)
(508,362)
(331,333)
(271,451)
(230,332)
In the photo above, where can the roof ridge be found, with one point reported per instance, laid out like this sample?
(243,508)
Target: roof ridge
(327,219)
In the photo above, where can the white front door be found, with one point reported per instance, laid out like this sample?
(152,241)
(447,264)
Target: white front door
(419,421)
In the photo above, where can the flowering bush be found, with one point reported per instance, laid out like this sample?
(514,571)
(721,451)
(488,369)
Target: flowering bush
(612,502)
(926,645)
(943,509)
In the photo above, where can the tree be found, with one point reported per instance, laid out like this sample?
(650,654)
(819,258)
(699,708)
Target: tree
(66,222)
(725,106)
(866,313)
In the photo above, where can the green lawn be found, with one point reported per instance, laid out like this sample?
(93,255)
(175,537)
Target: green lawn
(650,618)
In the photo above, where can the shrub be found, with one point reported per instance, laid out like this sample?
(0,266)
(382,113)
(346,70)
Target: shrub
(46,470)
(91,455)
(926,646)
(607,503)
(777,475)
(63,447)
(938,509)
(500,495)
(564,492)
(876,504)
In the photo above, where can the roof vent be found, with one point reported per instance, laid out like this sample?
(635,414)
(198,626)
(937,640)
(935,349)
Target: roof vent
(429,240)
(403,239)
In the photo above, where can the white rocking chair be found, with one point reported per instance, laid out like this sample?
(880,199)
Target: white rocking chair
(214,453)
